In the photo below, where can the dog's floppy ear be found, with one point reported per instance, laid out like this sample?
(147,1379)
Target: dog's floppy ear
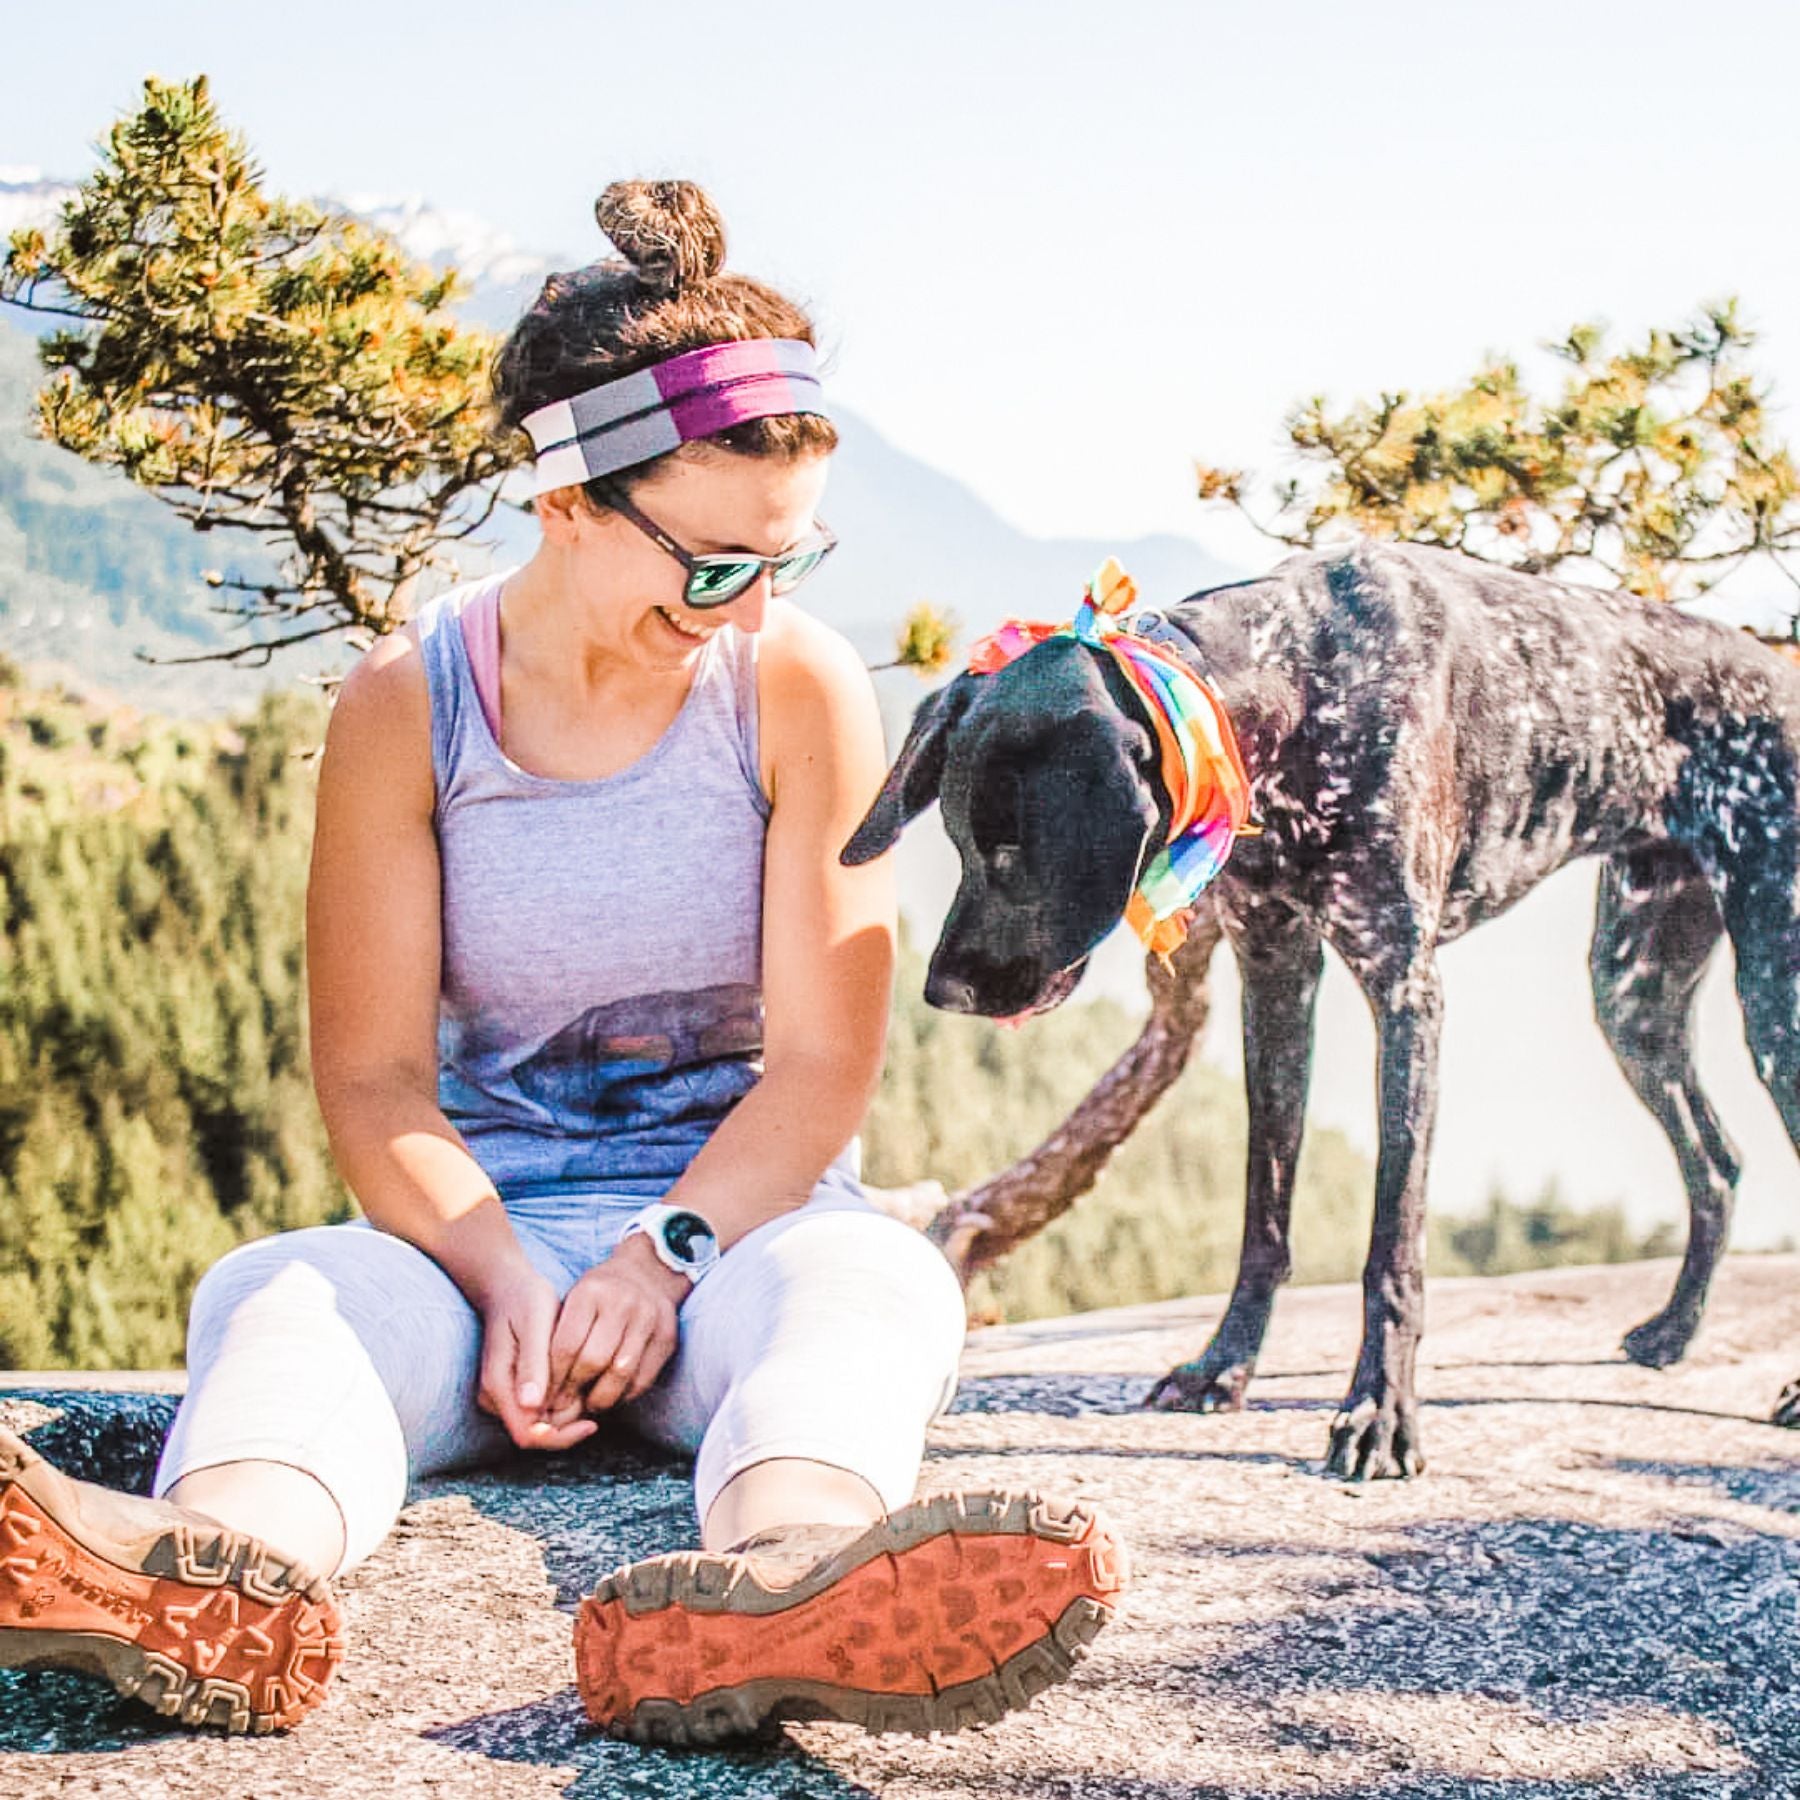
(912,782)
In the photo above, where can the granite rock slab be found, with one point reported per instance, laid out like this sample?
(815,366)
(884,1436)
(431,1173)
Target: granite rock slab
(1591,1592)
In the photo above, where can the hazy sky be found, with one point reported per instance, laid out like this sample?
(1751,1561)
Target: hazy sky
(1057,250)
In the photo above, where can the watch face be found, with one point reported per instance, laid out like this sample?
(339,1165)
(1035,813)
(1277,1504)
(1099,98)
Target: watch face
(689,1236)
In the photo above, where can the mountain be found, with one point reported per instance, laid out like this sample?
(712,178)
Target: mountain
(500,270)
(27,197)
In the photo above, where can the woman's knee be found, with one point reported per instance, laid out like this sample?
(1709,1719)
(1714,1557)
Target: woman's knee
(347,1273)
(877,1268)
(855,1300)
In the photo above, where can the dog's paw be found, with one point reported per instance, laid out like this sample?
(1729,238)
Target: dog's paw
(1201,1387)
(1787,1408)
(1660,1341)
(1375,1439)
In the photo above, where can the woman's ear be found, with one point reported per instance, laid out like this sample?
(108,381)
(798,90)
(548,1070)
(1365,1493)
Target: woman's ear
(561,513)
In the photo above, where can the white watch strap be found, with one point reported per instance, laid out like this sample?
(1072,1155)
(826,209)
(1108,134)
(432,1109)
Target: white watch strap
(650,1222)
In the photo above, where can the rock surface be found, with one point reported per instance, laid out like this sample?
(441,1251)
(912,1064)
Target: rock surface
(1592,1591)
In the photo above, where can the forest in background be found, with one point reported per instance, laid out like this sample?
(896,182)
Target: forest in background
(156,1108)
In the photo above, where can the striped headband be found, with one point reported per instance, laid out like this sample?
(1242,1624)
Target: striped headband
(693,395)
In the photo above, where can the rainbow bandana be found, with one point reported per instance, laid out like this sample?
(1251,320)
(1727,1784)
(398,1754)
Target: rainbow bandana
(693,395)
(1209,793)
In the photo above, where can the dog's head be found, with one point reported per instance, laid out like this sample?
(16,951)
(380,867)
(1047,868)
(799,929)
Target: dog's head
(1045,771)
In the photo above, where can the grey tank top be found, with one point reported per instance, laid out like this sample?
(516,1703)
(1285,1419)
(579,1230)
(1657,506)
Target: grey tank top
(600,1009)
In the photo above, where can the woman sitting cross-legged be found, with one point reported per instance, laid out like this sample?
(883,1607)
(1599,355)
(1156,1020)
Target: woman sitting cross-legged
(596,1013)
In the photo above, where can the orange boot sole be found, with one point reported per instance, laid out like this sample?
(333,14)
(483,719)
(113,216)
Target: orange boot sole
(196,1621)
(949,1612)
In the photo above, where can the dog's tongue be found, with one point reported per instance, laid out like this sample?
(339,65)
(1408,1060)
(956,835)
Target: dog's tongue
(1013,1021)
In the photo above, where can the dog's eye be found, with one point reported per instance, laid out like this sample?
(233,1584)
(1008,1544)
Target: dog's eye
(998,817)
(1003,859)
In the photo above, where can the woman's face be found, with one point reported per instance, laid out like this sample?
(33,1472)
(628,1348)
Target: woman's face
(630,589)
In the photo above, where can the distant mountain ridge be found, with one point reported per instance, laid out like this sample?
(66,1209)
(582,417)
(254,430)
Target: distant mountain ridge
(493,263)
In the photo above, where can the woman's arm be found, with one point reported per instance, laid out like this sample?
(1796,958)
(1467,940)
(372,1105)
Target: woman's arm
(827,941)
(373,943)
(828,968)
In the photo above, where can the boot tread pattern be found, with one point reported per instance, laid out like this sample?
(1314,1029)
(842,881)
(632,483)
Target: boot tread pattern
(209,1626)
(950,1612)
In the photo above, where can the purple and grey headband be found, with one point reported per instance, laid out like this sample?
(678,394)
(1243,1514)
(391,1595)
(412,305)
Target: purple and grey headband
(693,395)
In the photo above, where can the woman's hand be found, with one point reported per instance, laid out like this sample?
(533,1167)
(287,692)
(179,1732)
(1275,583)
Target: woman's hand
(615,1332)
(517,1318)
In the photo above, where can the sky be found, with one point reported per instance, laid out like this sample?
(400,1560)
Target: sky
(1059,251)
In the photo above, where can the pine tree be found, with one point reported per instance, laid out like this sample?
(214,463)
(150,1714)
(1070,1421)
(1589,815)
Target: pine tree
(1654,466)
(262,365)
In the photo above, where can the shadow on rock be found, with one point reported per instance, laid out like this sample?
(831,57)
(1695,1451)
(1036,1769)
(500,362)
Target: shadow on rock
(616,1498)
(1056,1396)
(555,1731)
(1642,1661)
(49,1711)
(1774,1485)
(111,1438)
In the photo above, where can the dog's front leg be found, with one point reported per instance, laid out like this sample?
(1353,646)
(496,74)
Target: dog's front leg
(1376,1433)
(1280,959)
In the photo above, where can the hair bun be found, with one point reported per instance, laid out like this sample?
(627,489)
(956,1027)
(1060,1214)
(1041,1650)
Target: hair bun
(669,231)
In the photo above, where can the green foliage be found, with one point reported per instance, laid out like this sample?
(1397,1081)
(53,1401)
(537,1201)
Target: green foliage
(261,364)
(155,1104)
(1655,464)
(1545,1233)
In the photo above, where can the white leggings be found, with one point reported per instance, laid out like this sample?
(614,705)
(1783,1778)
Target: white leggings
(830,1333)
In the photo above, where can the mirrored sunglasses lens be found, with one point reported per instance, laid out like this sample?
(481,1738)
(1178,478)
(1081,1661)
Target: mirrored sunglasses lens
(792,570)
(712,584)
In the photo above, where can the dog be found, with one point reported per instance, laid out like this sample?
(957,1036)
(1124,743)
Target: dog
(1427,737)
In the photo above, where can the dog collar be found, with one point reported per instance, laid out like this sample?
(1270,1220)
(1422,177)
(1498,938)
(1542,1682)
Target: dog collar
(1209,793)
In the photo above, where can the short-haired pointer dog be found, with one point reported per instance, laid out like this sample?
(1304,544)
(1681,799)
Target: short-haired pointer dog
(1427,737)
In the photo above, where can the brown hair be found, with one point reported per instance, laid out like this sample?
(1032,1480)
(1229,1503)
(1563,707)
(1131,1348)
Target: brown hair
(670,294)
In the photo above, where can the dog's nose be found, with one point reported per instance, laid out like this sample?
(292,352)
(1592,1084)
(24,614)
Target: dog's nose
(948,993)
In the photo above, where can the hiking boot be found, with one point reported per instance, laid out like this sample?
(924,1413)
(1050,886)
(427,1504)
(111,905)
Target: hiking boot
(197,1621)
(949,1612)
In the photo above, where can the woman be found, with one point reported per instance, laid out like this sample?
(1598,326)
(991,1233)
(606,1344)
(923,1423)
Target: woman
(596,1012)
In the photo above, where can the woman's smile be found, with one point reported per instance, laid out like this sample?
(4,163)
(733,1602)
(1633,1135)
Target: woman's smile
(695,633)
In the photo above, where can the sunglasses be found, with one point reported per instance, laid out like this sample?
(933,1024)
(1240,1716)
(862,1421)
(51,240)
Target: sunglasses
(713,580)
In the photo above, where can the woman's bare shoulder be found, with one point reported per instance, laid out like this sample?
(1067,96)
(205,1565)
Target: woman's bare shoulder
(802,653)
(816,697)
(381,719)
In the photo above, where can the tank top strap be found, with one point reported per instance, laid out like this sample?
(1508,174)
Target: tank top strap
(481,640)
(455,720)
(741,660)
(459,636)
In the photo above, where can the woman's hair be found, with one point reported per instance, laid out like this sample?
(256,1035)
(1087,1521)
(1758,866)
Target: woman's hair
(670,294)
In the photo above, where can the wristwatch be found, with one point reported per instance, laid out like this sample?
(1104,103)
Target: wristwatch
(681,1239)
